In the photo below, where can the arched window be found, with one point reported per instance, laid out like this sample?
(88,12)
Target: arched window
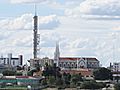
(81,64)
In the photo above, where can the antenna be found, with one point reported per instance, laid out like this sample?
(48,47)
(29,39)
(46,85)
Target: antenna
(35,30)
(36,36)
(35,6)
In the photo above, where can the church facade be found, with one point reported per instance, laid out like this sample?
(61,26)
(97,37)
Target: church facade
(74,63)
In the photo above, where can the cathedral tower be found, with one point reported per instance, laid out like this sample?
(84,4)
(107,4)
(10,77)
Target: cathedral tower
(56,54)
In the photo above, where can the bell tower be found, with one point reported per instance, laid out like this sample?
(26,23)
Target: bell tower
(56,54)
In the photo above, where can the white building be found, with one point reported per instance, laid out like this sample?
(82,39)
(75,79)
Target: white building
(115,67)
(74,62)
(12,61)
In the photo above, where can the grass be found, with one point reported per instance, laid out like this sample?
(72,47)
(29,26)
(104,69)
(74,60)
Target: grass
(13,88)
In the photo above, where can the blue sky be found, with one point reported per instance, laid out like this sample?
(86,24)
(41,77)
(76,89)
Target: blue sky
(84,28)
(13,10)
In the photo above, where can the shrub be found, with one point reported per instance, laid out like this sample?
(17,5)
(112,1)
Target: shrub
(18,73)
(44,82)
(117,86)
(91,85)
(51,81)
(8,73)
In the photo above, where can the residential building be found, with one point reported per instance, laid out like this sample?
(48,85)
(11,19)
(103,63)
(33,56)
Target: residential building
(115,67)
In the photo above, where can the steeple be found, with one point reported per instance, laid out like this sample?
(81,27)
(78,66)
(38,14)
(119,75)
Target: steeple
(56,54)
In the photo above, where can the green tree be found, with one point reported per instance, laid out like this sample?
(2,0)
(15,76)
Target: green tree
(44,82)
(51,81)
(59,82)
(117,86)
(30,73)
(66,78)
(91,85)
(19,68)
(9,73)
(102,74)
(51,71)
(75,79)
(18,73)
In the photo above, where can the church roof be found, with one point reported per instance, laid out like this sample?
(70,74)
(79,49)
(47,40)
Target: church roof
(75,58)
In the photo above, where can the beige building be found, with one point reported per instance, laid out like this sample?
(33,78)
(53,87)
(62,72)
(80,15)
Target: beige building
(45,60)
(40,62)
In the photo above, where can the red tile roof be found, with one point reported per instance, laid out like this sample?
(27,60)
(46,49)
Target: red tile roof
(22,76)
(73,58)
(84,72)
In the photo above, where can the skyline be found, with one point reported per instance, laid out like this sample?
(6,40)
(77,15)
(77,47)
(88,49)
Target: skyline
(83,28)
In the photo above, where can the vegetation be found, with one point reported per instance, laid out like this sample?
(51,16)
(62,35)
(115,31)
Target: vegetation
(53,77)
(44,82)
(30,73)
(91,85)
(9,73)
(117,86)
(102,74)
(51,71)
(51,81)
(19,68)
(75,79)
(18,74)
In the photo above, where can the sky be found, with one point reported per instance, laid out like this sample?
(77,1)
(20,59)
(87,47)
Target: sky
(83,28)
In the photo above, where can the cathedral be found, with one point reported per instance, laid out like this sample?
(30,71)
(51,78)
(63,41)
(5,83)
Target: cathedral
(74,63)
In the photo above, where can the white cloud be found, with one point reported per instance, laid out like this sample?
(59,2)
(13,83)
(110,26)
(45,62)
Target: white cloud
(105,9)
(100,7)
(99,17)
(48,22)
(76,36)
(25,22)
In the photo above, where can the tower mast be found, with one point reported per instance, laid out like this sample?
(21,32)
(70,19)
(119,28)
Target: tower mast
(35,36)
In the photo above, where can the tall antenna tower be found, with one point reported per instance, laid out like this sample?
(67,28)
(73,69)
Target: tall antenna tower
(36,36)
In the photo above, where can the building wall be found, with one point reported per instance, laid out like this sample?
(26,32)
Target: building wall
(9,60)
(45,60)
(92,64)
(68,64)
(116,67)
(40,62)
(74,63)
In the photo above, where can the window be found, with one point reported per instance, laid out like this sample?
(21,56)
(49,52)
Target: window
(72,65)
(64,65)
(60,65)
(13,62)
